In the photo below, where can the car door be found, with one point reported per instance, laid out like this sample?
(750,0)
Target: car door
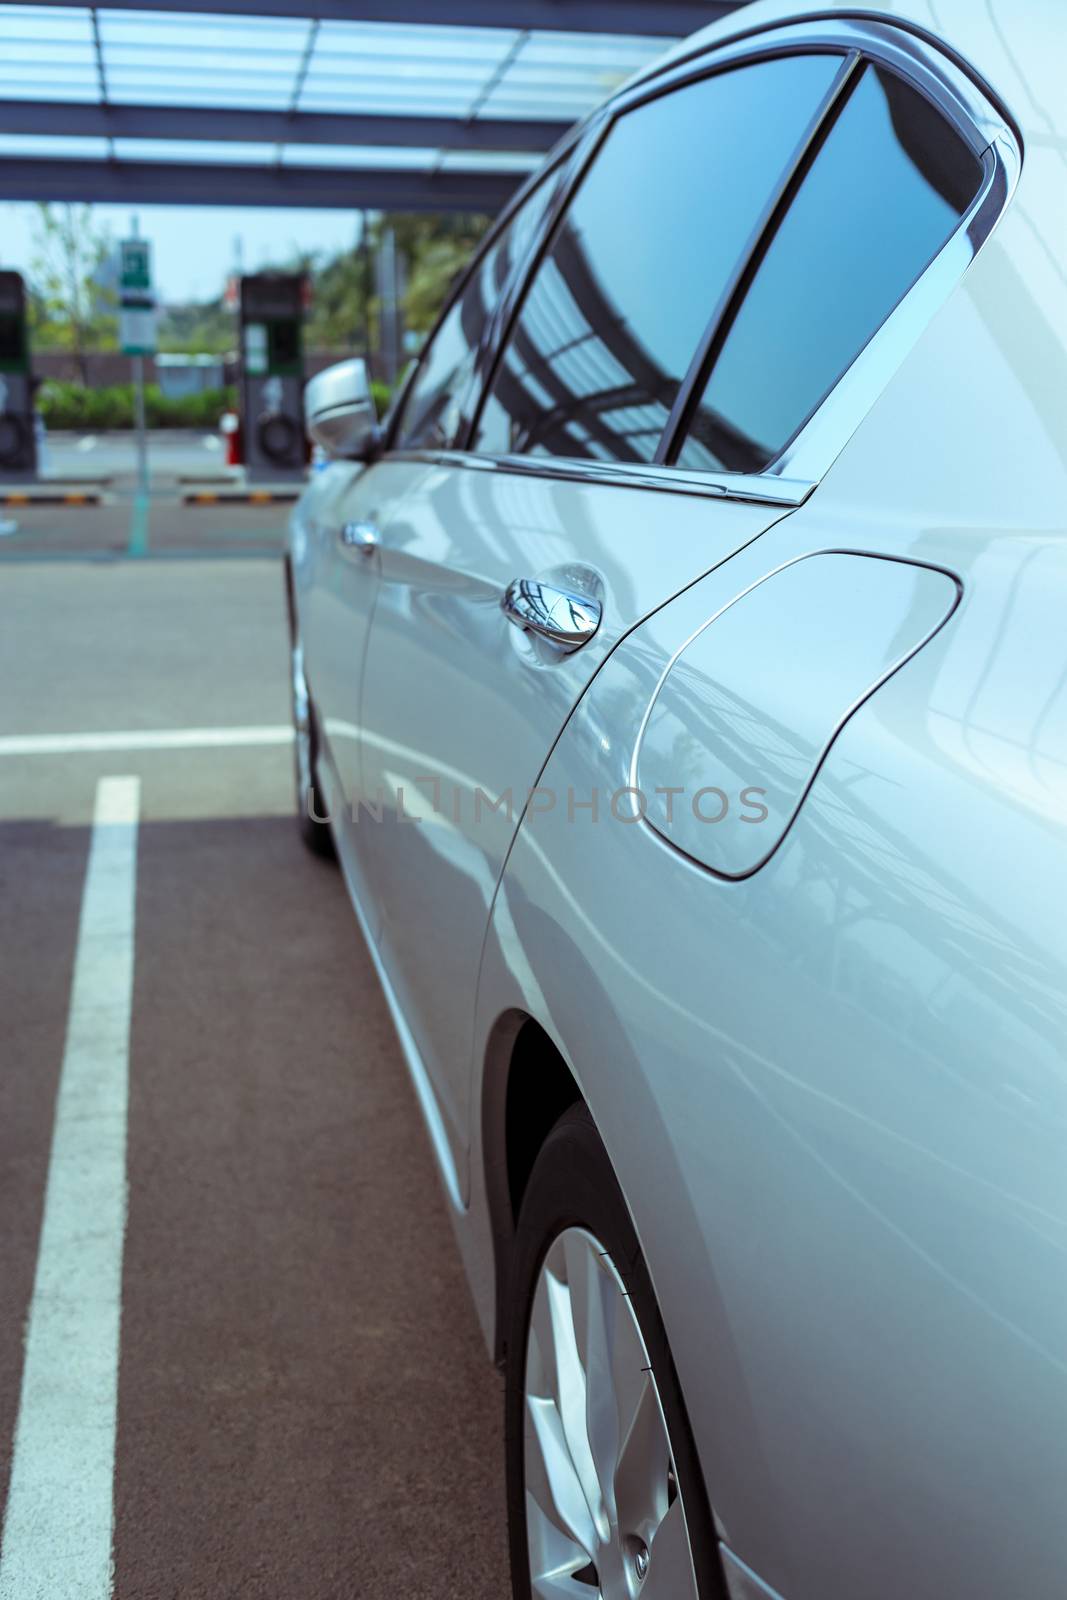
(336,572)
(344,517)
(557,510)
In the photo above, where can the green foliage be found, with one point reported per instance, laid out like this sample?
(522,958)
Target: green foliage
(71,306)
(72,405)
(344,314)
(340,300)
(207,327)
(382,395)
(201,410)
(436,249)
(434,271)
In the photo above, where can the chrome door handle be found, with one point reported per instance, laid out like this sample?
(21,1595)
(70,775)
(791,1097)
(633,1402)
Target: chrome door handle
(564,619)
(361,536)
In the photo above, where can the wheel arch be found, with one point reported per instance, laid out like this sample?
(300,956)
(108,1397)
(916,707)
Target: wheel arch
(526,1087)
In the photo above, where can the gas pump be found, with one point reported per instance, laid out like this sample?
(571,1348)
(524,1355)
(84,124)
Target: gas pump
(272,376)
(18,443)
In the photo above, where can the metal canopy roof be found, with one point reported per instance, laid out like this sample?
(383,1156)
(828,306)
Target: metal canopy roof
(391,104)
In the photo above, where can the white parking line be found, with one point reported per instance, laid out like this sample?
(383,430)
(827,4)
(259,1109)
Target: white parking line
(68,744)
(58,1521)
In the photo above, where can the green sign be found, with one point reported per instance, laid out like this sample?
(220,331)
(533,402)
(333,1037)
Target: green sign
(136,265)
(137,316)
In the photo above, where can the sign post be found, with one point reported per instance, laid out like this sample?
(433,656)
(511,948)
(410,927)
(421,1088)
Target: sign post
(137,332)
(390,273)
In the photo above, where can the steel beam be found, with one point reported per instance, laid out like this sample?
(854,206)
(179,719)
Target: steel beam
(212,184)
(663,18)
(274,127)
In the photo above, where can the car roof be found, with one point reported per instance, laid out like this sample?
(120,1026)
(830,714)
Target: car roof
(1018,46)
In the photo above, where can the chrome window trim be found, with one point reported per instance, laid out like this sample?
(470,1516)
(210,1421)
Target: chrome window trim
(623,475)
(976,94)
(814,449)
(971,108)
(791,477)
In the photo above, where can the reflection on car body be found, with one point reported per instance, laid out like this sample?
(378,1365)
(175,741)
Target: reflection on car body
(752,1134)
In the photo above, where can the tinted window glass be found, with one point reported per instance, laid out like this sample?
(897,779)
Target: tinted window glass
(431,410)
(884,193)
(618,306)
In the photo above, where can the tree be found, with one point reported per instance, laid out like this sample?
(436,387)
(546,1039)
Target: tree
(344,314)
(72,304)
(340,302)
(436,249)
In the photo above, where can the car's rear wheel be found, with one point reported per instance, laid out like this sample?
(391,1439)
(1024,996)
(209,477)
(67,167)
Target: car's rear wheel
(310,806)
(605,1495)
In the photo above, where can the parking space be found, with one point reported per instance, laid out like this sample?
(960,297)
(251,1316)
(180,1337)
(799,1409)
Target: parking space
(172,453)
(129,525)
(304,1405)
(47,531)
(87,504)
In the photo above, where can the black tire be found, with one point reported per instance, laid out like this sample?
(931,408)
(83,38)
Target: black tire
(311,806)
(310,803)
(573,1185)
(280,438)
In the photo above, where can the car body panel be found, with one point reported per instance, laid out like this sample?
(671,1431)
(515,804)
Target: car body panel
(336,587)
(460,708)
(746,703)
(838,1085)
(844,1122)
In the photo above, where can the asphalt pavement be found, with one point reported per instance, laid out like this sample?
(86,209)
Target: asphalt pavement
(93,457)
(304,1403)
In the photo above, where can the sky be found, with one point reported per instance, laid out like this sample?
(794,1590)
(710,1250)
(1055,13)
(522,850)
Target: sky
(195,248)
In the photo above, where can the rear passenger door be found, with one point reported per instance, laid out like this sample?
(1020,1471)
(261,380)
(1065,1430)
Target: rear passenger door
(560,505)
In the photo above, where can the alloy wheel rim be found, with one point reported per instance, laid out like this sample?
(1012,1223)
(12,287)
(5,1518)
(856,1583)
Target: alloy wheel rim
(604,1515)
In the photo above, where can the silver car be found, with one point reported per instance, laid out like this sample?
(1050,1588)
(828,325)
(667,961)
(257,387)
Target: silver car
(680,675)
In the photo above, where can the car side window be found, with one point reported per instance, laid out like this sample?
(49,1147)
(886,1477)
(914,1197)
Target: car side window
(884,192)
(431,412)
(648,245)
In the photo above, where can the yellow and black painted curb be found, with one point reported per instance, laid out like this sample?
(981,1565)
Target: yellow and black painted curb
(247,497)
(69,498)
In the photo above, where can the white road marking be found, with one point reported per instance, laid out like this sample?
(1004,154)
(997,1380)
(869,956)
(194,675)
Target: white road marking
(67,744)
(58,1523)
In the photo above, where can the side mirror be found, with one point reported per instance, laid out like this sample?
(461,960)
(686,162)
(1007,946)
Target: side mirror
(339,411)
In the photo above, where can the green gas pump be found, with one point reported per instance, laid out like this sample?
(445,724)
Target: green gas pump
(272,375)
(18,442)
